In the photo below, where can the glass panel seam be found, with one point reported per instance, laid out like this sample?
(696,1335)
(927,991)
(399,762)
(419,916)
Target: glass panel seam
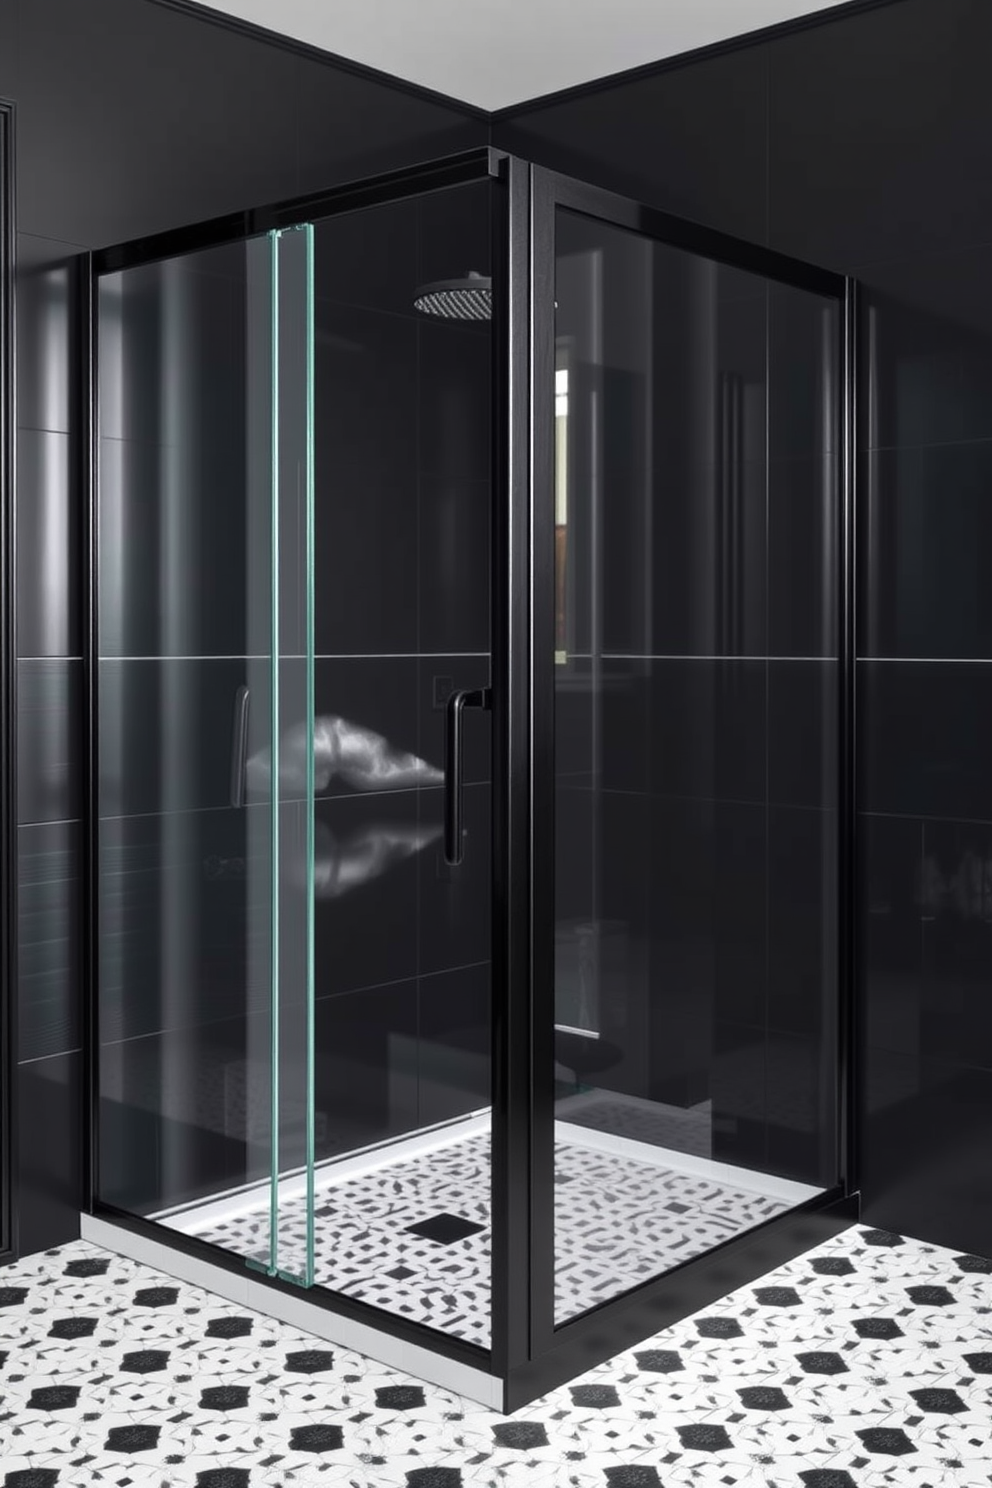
(274,771)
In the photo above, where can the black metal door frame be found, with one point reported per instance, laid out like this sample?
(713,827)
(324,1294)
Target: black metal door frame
(557,1354)
(471,166)
(8,699)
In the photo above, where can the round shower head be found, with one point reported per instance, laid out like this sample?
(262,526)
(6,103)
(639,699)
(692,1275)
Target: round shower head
(470,298)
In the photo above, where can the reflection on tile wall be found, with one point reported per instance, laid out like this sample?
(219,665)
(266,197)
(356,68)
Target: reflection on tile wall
(117,158)
(401,589)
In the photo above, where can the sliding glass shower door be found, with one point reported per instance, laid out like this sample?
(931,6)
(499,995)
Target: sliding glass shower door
(294,792)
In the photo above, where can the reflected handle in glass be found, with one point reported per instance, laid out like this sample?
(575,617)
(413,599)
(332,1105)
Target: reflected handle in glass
(239,748)
(458,701)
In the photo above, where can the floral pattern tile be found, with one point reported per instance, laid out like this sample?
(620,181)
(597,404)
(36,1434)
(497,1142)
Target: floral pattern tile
(866,1363)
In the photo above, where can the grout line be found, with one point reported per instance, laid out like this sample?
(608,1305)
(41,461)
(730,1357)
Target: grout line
(293,656)
(661,656)
(247,1012)
(40,1058)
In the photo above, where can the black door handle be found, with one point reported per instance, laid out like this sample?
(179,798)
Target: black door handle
(239,748)
(458,701)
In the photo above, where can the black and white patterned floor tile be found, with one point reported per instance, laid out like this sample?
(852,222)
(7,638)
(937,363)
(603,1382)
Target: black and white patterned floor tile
(617,1221)
(866,1363)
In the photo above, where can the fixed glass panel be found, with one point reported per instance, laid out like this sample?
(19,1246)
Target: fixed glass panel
(696,730)
(185,503)
(294,572)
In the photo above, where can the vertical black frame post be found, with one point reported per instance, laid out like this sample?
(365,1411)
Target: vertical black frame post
(8,697)
(87,414)
(542,761)
(848,876)
(512,1122)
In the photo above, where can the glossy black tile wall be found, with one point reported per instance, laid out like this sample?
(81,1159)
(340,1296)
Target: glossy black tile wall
(49,740)
(880,133)
(122,131)
(861,142)
(281,125)
(50,941)
(865,145)
(48,1175)
(690,140)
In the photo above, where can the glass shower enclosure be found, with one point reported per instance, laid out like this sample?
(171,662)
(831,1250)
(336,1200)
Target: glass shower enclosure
(469,696)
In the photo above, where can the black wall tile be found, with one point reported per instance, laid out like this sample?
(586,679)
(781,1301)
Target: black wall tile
(803,733)
(45,271)
(174,941)
(350,126)
(366,1064)
(690,140)
(575,866)
(927,352)
(880,133)
(740,913)
(682,958)
(454,538)
(804,362)
(803,610)
(927,732)
(616,715)
(366,477)
(166,729)
(158,70)
(956,912)
(176,496)
(48,546)
(10,30)
(365,260)
(700,604)
(926,1158)
(739,1091)
(802,924)
(708,729)
(801,1111)
(454,1043)
(454,911)
(891,911)
(48,1175)
(49,944)
(49,721)
(368,851)
(453,384)
(926,527)
(472,672)
(381,693)
(178,1116)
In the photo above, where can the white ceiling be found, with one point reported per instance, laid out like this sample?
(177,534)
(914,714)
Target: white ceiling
(494,53)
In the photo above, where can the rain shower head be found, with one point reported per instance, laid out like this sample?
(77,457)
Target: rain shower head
(470,298)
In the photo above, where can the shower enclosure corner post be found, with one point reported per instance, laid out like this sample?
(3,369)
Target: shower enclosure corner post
(512,723)
(87,408)
(850,1033)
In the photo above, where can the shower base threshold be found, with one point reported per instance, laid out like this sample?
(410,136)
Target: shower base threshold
(405,1226)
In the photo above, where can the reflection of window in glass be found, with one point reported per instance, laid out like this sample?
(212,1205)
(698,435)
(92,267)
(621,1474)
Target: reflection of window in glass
(561,507)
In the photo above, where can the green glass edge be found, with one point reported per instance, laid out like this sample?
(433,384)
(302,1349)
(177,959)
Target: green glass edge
(310,791)
(273,1264)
